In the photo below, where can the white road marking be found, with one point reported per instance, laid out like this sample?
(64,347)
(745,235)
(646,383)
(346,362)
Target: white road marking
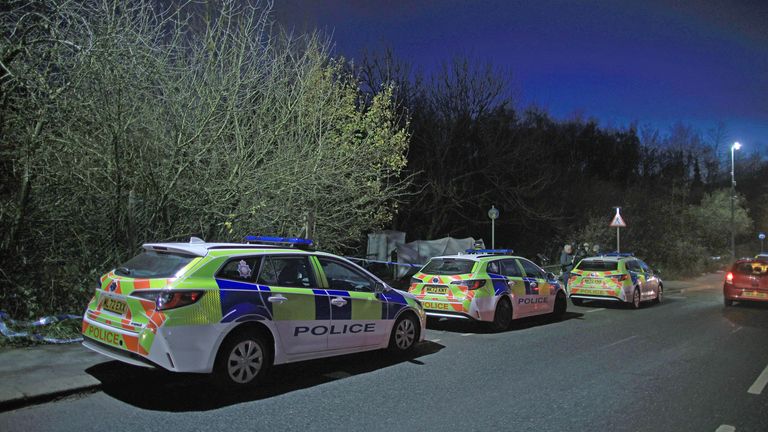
(725,428)
(760,382)
(467,334)
(621,341)
(737,329)
(594,310)
(675,297)
(435,340)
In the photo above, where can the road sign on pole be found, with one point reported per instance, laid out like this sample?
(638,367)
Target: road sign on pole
(618,223)
(493,214)
(761,236)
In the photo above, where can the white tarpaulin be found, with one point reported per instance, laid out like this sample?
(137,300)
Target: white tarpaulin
(383,243)
(420,251)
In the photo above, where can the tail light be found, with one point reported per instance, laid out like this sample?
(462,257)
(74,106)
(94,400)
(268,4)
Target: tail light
(621,277)
(729,278)
(175,299)
(149,295)
(470,284)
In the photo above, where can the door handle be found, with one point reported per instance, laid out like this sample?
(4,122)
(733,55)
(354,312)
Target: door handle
(277,299)
(338,301)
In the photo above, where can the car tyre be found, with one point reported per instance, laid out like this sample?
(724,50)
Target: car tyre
(659,295)
(502,316)
(636,299)
(405,334)
(561,305)
(577,302)
(243,360)
(728,302)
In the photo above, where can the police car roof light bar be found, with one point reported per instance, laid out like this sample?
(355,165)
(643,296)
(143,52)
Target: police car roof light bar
(617,254)
(291,241)
(490,251)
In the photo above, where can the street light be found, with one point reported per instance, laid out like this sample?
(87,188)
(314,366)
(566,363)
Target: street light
(734,147)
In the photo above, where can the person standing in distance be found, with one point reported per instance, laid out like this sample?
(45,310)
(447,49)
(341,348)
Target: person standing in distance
(566,263)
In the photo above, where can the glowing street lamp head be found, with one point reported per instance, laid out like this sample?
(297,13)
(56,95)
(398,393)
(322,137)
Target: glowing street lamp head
(736,145)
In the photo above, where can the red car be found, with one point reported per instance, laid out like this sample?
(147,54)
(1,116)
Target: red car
(746,280)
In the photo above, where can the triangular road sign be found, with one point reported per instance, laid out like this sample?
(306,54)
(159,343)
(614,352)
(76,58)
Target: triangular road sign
(618,221)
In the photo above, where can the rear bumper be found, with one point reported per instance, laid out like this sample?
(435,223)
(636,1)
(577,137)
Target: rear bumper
(178,348)
(596,297)
(731,292)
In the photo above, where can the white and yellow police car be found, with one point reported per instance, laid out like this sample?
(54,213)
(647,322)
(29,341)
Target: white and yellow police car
(237,309)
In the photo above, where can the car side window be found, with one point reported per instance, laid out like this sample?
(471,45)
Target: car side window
(532,270)
(493,267)
(633,266)
(342,276)
(644,266)
(241,269)
(509,268)
(287,271)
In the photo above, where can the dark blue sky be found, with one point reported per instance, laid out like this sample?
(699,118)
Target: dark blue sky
(655,62)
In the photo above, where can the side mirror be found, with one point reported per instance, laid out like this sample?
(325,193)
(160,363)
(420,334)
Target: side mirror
(551,276)
(379,288)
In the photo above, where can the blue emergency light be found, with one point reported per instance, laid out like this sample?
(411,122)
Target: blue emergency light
(290,241)
(617,254)
(490,251)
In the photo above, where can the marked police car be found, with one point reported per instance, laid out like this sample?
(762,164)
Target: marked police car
(237,309)
(487,285)
(615,277)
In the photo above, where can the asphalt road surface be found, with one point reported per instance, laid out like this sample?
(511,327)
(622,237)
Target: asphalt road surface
(689,364)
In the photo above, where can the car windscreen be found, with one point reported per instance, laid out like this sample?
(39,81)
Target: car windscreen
(152,264)
(597,265)
(448,266)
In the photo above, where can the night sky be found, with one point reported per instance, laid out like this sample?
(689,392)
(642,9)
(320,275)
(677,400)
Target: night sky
(652,62)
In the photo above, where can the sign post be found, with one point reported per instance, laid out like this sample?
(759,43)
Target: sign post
(761,236)
(493,213)
(618,223)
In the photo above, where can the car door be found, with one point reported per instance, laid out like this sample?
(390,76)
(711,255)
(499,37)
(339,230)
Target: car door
(539,286)
(301,311)
(519,288)
(357,320)
(651,281)
(638,277)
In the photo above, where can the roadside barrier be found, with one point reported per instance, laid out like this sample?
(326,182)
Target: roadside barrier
(6,320)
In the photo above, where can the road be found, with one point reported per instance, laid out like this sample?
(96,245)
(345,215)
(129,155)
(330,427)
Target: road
(688,364)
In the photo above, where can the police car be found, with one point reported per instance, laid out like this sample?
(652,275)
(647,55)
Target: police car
(618,277)
(487,285)
(237,309)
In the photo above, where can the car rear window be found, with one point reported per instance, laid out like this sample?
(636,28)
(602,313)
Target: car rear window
(448,266)
(751,268)
(597,265)
(152,264)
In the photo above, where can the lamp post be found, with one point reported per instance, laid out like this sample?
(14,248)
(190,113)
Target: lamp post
(734,147)
(761,236)
(493,213)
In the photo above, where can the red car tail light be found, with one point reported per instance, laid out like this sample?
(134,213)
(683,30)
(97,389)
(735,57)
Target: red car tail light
(174,299)
(729,278)
(621,277)
(470,284)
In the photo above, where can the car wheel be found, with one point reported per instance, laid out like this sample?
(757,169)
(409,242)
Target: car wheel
(243,359)
(502,317)
(405,334)
(659,295)
(577,302)
(635,299)
(561,305)
(728,302)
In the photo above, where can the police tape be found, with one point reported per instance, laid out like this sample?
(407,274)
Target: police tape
(5,321)
(385,262)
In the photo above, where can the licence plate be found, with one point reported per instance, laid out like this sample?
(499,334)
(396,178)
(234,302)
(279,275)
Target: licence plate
(591,281)
(755,294)
(591,291)
(431,289)
(114,305)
